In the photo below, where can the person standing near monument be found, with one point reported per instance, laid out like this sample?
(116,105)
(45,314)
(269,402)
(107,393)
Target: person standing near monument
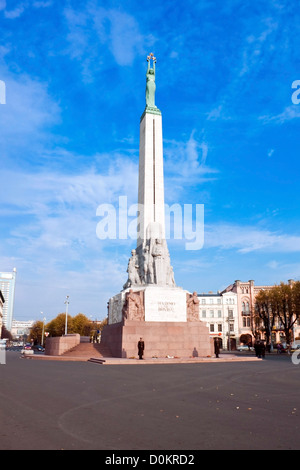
(141,347)
(217,347)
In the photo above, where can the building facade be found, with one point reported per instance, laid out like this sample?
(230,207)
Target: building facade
(21,329)
(246,293)
(7,286)
(220,313)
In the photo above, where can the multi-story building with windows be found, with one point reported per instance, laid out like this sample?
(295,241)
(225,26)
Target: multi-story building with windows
(246,293)
(219,312)
(7,286)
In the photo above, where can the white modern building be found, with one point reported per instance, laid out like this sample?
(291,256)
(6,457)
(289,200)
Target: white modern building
(19,329)
(220,313)
(7,287)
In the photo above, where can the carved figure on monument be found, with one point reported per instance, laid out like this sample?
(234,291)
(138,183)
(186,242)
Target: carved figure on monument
(150,83)
(192,307)
(133,271)
(133,308)
(148,266)
(159,265)
(170,279)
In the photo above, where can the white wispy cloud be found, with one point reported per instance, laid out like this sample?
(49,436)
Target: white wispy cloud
(247,239)
(21,7)
(288,114)
(28,114)
(186,164)
(53,241)
(95,30)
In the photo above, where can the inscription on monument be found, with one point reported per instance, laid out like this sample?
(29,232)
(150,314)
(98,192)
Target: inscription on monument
(165,304)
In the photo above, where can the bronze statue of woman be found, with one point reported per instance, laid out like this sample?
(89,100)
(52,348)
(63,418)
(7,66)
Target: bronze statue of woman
(150,83)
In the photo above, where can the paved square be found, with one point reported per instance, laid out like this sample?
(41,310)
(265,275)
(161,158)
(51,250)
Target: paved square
(82,405)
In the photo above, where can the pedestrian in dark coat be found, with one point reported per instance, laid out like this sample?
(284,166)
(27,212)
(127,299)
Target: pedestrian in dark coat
(217,348)
(141,347)
(263,349)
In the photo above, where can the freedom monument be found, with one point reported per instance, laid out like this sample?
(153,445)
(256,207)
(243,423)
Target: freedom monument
(150,304)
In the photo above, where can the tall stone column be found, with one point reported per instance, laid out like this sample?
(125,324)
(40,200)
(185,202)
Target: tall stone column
(153,260)
(151,178)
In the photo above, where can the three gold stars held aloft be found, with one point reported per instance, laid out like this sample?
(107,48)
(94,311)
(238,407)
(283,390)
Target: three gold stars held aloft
(151,56)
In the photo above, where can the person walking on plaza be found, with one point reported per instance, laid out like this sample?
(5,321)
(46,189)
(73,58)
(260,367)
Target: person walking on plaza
(141,347)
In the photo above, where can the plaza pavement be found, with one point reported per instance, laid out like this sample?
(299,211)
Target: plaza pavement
(174,407)
(223,357)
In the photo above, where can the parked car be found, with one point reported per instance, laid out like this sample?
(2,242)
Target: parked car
(27,346)
(38,347)
(243,347)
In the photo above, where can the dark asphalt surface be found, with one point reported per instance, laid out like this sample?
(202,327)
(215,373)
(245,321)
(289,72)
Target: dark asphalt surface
(53,405)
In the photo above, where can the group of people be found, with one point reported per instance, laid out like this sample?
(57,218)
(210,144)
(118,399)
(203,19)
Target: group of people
(260,348)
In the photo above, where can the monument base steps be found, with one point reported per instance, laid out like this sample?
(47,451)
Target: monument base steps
(88,350)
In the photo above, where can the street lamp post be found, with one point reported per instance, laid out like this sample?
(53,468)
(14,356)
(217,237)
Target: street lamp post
(43,331)
(66,322)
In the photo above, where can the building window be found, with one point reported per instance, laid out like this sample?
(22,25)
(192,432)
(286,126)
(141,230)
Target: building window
(219,313)
(203,301)
(245,308)
(219,301)
(246,322)
(212,327)
(203,313)
(211,314)
(219,327)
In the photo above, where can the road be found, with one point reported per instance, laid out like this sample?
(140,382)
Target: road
(53,405)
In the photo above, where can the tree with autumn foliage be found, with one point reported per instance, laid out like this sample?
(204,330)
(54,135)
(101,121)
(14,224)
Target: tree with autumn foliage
(56,327)
(36,332)
(79,324)
(281,302)
(264,313)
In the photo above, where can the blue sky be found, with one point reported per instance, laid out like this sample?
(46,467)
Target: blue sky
(69,136)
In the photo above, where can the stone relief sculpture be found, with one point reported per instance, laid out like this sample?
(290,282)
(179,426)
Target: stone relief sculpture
(192,307)
(133,308)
